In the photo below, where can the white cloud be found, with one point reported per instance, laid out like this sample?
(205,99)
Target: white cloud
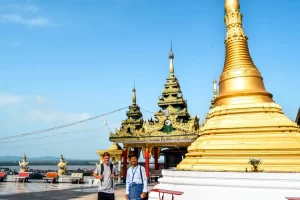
(33,21)
(14,44)
(34,109)
(55,116)
(6,99)
(28,8)
(25,14)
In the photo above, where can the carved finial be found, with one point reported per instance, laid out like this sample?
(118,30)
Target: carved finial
(133,95)
(24,157)
(171,57)
(171,54)
(231,5)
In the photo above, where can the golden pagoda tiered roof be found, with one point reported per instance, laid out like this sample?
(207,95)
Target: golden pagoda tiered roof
(172,124)
(244,121)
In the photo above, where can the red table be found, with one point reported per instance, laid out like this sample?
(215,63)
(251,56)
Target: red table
(293,198)
(167,192)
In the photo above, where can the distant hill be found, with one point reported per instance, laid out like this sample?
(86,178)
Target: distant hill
(44,158)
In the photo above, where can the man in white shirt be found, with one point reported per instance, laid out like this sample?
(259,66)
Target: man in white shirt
(136,180)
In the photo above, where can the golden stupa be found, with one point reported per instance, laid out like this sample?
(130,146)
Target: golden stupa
(244,121)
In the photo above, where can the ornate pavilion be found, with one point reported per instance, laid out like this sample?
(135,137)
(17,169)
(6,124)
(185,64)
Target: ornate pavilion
(170,132)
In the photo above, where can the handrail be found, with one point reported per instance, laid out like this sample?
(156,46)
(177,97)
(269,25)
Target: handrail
(163,191)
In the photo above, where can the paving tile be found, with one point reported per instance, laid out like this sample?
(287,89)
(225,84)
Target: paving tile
(55,191)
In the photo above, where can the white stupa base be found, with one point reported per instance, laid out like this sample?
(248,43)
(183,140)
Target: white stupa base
(229,185)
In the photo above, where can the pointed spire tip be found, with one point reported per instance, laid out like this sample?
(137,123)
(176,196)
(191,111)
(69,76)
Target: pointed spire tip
(171,54)
(232,5)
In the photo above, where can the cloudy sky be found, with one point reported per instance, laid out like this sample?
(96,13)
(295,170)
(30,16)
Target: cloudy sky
(64,61)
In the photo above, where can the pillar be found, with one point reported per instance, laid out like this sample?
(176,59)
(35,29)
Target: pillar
(125,158)
(147,157)
(156,156)
(119,171)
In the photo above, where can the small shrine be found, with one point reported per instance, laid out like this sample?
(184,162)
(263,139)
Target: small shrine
(170,132)
(116,153)
(24,164)
(62,166)
(215,94)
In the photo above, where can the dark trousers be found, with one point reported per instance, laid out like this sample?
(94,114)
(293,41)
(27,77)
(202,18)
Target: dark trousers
(105,196)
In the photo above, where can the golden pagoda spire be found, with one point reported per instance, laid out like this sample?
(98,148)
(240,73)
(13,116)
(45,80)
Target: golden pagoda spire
(171,56)
(243,122)
(240,77)
(133,95)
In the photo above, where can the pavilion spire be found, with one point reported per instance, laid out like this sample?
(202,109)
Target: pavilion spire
(171,57)
(133,95)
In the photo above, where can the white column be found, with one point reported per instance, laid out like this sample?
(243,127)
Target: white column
(119,171)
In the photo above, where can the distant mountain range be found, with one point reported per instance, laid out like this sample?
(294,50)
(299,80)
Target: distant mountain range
(44,158)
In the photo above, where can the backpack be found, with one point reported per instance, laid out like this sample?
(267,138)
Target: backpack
(111,171)
(102,168)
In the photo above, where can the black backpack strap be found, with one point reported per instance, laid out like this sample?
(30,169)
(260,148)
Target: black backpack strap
(111,168)
(101,172)
(102,169)
(141,174)
(143,182)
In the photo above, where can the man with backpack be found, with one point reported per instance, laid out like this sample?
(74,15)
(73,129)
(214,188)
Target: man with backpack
(136,181)
(106,173)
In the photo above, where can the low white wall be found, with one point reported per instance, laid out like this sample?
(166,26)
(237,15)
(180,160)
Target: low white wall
(229,185)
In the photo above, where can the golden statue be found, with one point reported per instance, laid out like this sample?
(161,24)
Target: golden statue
(244,121)
(62,166)
(24,165)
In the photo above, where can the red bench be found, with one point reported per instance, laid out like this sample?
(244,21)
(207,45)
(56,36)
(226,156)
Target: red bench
(2,176)
(293,198)
(22,176)
(172,192)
